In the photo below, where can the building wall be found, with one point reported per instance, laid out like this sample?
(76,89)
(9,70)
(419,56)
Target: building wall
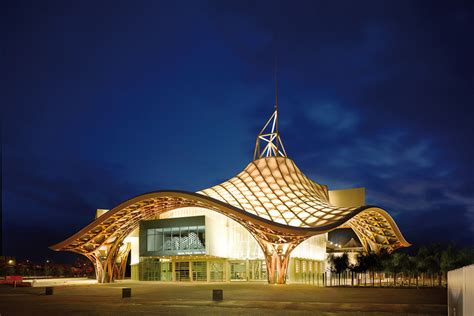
(225,238)
(232,254)
(306,271)
(461,291)
(135,246)
(347,197)
(313,248)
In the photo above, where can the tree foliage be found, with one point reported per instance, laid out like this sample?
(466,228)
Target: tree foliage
(433,261)
(339,264)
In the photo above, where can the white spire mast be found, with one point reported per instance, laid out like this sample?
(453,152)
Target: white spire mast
(269,136)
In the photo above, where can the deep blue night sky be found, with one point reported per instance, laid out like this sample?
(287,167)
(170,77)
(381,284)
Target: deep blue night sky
(107,100)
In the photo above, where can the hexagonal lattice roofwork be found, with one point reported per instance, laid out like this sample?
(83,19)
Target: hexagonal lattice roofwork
(274,188)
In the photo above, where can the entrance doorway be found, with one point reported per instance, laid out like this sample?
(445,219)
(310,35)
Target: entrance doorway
(238,271)
(199,270)
(182,271)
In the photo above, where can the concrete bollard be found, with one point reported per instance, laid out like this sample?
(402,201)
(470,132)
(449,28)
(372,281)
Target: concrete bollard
(126,292)
(48,290)
(217,295)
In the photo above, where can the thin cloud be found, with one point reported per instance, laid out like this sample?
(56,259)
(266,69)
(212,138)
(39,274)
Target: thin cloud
(332,116)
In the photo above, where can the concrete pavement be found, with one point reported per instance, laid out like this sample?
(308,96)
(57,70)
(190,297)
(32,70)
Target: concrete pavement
(239,298)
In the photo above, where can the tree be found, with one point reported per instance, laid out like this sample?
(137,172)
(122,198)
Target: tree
(394,265)
(363,264)
(412,269)
(421,263)
(433,261)
(404,266)
(371,260)
(22,269)
(58,270)
(353,269)
(382,257)
(465,257)
(339,264)
(47,269)
(451,259)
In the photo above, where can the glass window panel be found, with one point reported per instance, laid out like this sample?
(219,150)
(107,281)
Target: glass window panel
(167,238)
(178,240)
(192,237)
(199,271)
(150,243)
(217,270)
(188,239)
(238,271)
(175,238)
(201,235)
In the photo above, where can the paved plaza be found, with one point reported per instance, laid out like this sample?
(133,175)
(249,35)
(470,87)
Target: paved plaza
(239,299)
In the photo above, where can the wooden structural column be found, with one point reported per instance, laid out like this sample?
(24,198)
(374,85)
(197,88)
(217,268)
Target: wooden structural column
(110,263)
(121,263)
(102,241)
(277,258)
(277,254)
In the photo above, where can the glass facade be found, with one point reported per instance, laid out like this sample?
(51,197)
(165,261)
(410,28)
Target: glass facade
(152,269)
(306,271)
(182,271)
(216,271)
(238,271)
(199,270)
(176,240)
(189,246)
(257,270)
(173,237)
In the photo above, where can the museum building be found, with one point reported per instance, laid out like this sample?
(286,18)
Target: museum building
(268,223)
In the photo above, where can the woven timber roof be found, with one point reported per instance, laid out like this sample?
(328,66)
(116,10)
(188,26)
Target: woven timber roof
(271,195)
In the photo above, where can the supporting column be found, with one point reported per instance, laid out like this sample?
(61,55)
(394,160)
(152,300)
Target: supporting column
(104,260)
(98,267)
(226,270)
(173,271)
(277,258)
(121,264)
(247,270)
(190,266)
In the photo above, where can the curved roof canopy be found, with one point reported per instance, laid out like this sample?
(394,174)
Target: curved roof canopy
(271,197)
(275,189)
